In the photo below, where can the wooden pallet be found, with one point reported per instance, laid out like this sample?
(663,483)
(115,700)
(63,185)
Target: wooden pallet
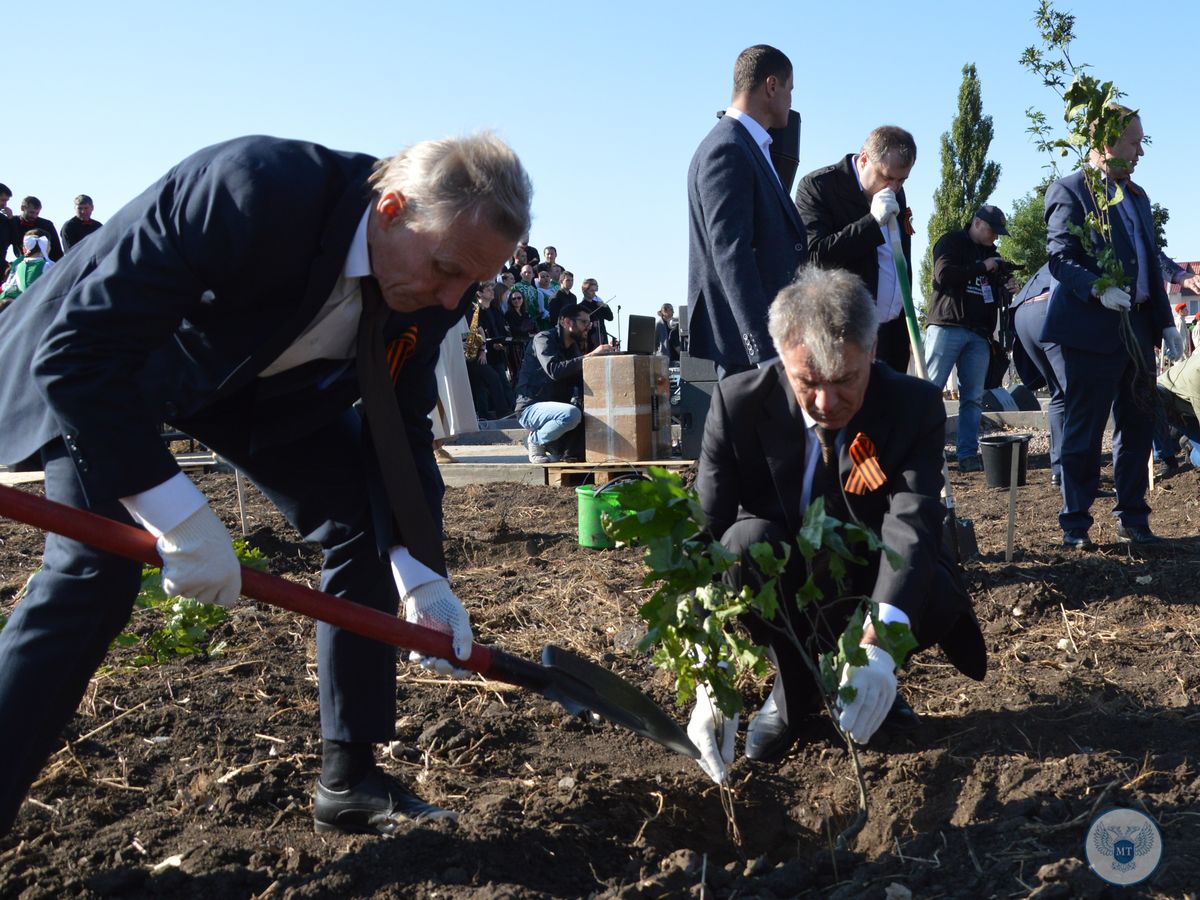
(570,474)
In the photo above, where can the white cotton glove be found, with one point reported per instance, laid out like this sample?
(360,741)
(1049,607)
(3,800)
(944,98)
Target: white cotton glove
(875,686)
(1115,299)
(884,206)
(198,560)
(713,735)
(434,605)
(1172,343)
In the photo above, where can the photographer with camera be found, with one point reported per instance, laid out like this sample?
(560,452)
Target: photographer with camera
(970,283)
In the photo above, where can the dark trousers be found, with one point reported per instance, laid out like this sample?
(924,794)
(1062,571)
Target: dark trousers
(1048,359)
(82,598)
(488,391)
(894,346)
(1097,384)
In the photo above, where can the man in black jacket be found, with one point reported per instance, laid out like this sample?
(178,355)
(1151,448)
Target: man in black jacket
(826,421)
(850,211)
(969,286)
(550,385)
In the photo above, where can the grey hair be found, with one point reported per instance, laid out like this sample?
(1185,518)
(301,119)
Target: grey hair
(824,309)
(889,140)
(478,177)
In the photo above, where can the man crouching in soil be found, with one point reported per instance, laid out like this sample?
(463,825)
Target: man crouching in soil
(826,420)
(249,298)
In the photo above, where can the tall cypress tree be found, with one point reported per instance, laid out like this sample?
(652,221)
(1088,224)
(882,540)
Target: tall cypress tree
(968,177)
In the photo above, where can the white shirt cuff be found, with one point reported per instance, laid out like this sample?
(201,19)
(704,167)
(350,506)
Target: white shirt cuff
(763,363)
(165,505)
(889,614)
(409,573)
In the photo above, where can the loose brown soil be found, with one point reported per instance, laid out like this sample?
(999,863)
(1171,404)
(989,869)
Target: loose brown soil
(194,779)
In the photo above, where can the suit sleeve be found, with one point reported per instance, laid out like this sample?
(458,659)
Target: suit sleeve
(727,180)
(913,521)
(718,483)
(831,247)
(202,231)
(1070,264)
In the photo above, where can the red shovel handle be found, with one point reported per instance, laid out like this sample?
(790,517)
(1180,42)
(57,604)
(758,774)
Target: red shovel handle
(133,543)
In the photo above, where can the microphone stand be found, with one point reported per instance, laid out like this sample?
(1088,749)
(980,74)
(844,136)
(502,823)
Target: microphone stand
(618,324)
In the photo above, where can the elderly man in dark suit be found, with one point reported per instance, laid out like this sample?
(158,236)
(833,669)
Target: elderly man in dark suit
(850,210)
(826,420)
(1101,375)
(745,240)
(249,298)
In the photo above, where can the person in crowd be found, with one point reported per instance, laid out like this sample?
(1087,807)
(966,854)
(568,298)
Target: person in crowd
(157,322)
(29,220)
(6,216)
(666,334)
(563,296)
(550,387)
(495,332)
(827,421)
(531,254)
(488,385)
(550,256)
(852,211)
(970,284)
(745,238)
(28,269)
(533,299)
(519,260)
(520,329)
(81,224)
(556,276)
(545,289)
(1103,375)
(5,196)
(598,311)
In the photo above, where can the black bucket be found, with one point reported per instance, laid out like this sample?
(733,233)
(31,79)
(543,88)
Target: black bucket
(996,451)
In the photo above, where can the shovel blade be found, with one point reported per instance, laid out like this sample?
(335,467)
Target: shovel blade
(578,683)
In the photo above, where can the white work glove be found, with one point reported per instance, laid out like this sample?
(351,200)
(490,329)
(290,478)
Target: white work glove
(884,206)
(433,605)
(713,735)
(1115,299)
(198,560)
(1172,343)
(875,687)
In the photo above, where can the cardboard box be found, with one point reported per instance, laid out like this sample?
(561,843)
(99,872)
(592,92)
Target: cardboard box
(626,408)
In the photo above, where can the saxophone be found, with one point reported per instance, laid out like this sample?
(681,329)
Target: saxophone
(474,342)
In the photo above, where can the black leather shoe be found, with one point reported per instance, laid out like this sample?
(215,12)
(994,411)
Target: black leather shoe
(1077,540)
(901,717)
(1137,534)
(1105,492)
(378,804)
(769,737)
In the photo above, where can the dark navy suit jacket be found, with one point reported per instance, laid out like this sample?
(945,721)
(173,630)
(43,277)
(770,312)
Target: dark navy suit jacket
(169,313)
(1075,318)
(745,243)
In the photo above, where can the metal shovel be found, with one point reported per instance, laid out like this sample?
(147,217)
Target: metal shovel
(575,683)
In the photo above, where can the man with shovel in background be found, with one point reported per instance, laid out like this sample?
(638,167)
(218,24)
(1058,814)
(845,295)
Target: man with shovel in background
(249,298)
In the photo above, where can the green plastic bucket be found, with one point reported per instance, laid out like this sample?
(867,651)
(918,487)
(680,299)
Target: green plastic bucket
(591,504)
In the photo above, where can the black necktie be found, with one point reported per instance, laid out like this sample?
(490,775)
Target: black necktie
(410,509)
(827,476)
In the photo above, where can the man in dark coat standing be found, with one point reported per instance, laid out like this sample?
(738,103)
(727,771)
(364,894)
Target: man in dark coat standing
(745,240)
(825,420)
(1099,369)
(249,298)
(851,211)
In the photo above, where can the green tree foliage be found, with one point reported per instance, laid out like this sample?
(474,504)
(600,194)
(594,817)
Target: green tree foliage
(968,176)
(1025,244)
(1160,216)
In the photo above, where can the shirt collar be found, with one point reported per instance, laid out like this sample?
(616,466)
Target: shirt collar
(748,122)
(358,258)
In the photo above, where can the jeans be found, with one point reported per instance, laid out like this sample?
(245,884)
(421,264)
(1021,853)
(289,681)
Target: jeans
(549,420)
(947,346)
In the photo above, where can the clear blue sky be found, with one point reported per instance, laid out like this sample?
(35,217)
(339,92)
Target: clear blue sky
(604,101)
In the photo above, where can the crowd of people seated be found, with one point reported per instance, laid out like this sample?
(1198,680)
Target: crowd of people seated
(35,244)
